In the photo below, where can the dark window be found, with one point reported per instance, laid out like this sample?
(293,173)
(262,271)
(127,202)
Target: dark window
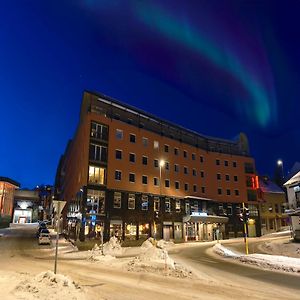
(249,168)
(118,175)
(145,202)
(235,178)
(201,159)
(131,177)
(184,154)
(144,179)
(177,185)
(236,192)
(119,134)
(228,192)
(185,170)
(98,153)
(226,163)
(166,148)
(145,160)
(155,181)
(167,205)
(167,183)
(167,166)
(234,164)
(186,187)
(99,131)
(195,188)
(118,154)
(251,195)
(218,176)
(132,138)
(176,151)
(203,189)
(156,163)
(202,174)
(217,162)
(193,156)
(117,199)
(194,172)
(227,177)
(219,191)
(131,157)
(176,168)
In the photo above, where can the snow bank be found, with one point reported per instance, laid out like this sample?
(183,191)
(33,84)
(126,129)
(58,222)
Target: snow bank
(272,262)
(223,251)
(48,285)
(156,260)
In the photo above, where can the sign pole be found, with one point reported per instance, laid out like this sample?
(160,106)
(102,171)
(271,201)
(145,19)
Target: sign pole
(245,230)
(57,236)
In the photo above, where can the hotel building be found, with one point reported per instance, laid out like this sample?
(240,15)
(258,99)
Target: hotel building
(136,175)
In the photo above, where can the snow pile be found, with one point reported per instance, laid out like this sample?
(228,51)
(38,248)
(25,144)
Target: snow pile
(273,262)
(48,285)
(223,251)
(164,244)
(96,255)
(287,248)
(156,260)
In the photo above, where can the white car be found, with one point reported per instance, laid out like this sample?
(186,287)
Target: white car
(44,237)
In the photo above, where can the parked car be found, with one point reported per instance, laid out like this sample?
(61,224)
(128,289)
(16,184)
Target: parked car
(44,237)
(42,226)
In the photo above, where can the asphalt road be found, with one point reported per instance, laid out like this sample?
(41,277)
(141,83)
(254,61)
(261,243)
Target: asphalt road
(202,256)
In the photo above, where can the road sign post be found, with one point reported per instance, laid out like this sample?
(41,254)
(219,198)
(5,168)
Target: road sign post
(245,229)
(58,207)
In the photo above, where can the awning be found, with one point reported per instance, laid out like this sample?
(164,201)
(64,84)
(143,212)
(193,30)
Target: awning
(206,219)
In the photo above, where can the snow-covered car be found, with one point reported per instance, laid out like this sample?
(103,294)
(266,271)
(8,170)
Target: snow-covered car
(44,237)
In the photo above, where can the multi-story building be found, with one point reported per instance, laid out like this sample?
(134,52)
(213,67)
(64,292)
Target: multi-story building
(136,175)
(272,206)
(7,191)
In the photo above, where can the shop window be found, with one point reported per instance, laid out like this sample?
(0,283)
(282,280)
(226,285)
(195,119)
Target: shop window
(98,153)
(131,201)
(253,210)
(130,231)
(177,205)
(156,204)
(119,134)
(145,202)
(97,175)
(95,202)
(167,205)
(117,200)
(144,230)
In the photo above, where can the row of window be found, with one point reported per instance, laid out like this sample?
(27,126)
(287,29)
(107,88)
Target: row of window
(226,163)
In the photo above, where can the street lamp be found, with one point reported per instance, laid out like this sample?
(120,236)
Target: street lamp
(280,164)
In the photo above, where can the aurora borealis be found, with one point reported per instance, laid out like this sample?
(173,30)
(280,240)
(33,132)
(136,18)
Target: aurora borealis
(217,67)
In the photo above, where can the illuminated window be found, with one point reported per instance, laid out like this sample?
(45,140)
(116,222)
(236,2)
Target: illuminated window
(177,205)
(119,134)
(96,175)
(156,145)
(117,199)
(131,201)
(167,205)
(156,203)
(145,202)
(95,202)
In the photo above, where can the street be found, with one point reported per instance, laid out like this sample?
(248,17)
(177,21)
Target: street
(215,278)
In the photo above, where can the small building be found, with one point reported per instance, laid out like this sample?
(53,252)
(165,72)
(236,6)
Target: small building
(293,194)
(272,206)
(7,191)
(26,206)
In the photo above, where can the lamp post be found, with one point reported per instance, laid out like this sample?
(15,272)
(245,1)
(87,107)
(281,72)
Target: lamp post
(280,164)
(161,165)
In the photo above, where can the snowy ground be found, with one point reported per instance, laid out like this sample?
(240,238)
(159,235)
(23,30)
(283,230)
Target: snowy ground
(146,272)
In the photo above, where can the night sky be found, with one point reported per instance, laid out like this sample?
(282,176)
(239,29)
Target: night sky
(217,67)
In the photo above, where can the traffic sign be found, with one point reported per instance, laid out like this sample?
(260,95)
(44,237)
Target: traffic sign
(59,206)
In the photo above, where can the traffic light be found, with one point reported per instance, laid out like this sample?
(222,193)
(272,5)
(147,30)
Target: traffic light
(246,214)
(241,217)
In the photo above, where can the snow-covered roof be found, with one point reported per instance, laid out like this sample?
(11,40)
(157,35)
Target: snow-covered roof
(267,186)
(294,179)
